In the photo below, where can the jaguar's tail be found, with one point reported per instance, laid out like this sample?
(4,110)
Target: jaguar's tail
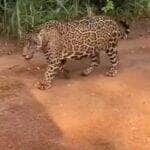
(124,28)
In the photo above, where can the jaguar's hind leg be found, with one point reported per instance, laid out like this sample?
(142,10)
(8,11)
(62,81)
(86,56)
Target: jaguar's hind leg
(114,60)
(95,61)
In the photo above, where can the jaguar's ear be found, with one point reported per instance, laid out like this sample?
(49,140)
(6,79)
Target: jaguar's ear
(24,38)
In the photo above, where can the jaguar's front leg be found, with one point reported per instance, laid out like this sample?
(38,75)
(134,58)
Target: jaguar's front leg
(50,74)
(65,72)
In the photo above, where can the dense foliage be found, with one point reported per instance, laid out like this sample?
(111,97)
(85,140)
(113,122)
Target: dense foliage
(16,16)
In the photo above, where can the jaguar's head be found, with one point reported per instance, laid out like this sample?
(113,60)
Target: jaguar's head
(33,44)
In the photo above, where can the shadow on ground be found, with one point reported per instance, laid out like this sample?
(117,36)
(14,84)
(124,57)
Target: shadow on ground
(24,123)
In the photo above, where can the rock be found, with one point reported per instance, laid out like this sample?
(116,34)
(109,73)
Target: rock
(9,53)
(132,51)
(61,105)
(28,69)
(133,128)
(69,85)
(131,95)
(93,94)
(10,146)
(38,68)
(143,46)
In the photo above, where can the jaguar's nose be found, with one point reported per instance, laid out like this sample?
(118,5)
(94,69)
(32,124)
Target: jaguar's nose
(27,57)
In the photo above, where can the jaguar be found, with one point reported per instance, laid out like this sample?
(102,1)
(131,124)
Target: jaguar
(86,37)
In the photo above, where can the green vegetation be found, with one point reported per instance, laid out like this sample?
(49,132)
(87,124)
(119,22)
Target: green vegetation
(17,16)
(128,9)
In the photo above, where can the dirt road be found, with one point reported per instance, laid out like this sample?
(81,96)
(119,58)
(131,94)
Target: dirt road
(81,113)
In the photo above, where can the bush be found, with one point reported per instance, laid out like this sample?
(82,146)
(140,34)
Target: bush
(17,16)
(128,9)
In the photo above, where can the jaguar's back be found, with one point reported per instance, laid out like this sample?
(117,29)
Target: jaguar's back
(95,32)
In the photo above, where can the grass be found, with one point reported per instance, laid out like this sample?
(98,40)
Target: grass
(17,16)
(20,15)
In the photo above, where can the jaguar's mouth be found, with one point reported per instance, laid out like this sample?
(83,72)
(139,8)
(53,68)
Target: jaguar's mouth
(28,57)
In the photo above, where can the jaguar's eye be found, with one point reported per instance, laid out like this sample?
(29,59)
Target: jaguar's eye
(33,42)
